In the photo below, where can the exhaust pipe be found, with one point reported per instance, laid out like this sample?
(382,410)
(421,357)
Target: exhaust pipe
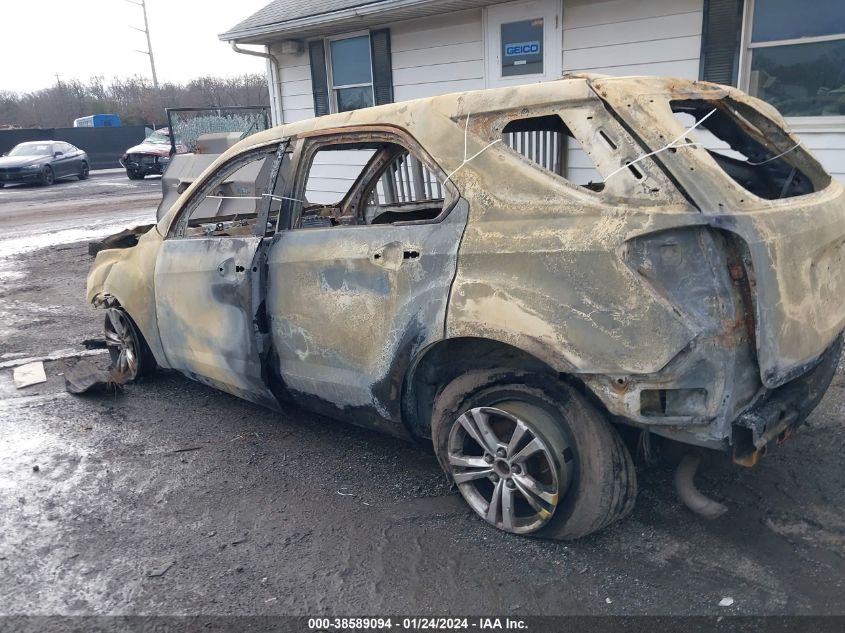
(689,494)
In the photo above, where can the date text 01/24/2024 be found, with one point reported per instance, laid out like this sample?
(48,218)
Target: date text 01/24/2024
(319,625)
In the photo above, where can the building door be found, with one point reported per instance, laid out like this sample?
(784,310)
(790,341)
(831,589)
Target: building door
(523,42)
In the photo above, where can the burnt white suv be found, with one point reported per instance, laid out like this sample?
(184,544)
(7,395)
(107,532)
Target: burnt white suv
(517,274)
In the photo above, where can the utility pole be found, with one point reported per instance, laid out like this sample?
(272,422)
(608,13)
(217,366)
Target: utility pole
(146,31)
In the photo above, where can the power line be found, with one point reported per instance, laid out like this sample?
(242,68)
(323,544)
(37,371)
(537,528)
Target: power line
(146,31)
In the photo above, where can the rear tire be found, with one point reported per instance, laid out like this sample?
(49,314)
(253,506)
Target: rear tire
(47,177)
(579,477)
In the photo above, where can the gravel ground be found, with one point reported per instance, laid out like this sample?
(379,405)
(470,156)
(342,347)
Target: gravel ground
(173,498)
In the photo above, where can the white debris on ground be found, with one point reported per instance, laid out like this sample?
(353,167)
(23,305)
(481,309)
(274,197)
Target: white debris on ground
(726,602)
(29,374)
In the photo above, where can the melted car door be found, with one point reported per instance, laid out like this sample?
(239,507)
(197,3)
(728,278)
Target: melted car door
(208,279)
(350,306)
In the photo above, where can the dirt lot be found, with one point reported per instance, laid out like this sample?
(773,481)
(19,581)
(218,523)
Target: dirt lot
(173,498)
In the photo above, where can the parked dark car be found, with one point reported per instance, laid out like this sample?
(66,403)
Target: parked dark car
(152,156)
(42,162)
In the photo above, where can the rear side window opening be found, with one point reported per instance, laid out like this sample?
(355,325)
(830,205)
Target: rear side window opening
(547,141)
(755,152)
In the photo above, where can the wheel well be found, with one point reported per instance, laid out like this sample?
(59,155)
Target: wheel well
(446,360)
(105,301)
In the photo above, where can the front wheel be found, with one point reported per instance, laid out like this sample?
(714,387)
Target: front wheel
(134,175)
(84,171)
(130,355)
(531,456)
(47,177)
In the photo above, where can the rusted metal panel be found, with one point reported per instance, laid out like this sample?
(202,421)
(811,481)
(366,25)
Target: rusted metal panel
(796,248)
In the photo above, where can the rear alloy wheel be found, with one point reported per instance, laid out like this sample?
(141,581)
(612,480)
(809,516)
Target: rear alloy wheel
(530,455)
(504,467)
(47,177)
(129,353)
(83,172)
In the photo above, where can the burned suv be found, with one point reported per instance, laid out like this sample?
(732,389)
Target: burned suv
(518,274)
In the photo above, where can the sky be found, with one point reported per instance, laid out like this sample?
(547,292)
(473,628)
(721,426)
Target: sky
(84,38)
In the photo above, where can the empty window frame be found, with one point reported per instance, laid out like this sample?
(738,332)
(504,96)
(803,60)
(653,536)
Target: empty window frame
(230,201)
(542,139)
(755,152)
(367,183)
(547,141)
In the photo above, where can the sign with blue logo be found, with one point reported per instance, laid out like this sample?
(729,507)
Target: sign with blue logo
(522,48)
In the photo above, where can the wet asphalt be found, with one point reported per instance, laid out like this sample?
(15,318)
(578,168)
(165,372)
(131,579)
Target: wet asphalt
(173,498)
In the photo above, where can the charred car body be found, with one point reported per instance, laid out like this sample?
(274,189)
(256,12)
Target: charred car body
(457,286)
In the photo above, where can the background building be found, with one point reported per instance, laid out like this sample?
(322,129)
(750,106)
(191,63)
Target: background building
(337,55)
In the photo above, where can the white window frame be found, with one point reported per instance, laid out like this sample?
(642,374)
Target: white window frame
(329,75)
(797,123)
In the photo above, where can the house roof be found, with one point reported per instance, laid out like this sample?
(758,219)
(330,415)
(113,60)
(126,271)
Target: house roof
(299,19)
(280,11)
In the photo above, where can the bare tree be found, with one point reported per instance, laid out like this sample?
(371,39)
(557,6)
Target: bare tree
(135,99)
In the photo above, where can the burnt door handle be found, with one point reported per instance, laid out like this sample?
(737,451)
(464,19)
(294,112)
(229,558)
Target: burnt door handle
(392,255)
(228,267)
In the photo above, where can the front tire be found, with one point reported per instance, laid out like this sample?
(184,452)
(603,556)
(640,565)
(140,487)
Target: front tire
(134,175)
(530,455)
(84,171)
(47,177)
(130,355)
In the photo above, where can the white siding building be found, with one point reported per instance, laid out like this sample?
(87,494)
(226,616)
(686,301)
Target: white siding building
(341,54)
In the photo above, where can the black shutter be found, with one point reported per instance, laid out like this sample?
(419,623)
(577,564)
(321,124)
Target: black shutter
(382,66)
(319,79)
(721,39)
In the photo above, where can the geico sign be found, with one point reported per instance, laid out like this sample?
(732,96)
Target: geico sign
(522,48)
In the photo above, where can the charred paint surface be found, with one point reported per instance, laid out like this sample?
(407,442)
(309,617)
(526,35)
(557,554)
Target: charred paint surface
(204,289)
(344,314)
(674,292)
(794,243)
(128,277)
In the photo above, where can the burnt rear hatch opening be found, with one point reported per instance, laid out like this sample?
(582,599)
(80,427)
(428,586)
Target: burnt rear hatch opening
(751,149)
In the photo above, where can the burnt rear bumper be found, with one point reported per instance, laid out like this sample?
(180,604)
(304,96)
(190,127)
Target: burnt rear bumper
(782,410)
